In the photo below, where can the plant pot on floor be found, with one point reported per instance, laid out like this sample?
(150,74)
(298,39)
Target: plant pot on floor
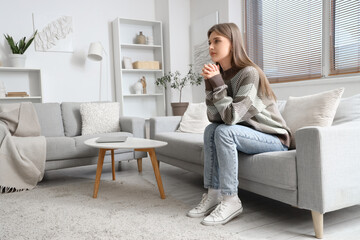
(179,108)
(17,60)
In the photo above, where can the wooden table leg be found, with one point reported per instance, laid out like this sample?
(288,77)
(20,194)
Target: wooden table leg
(98,171)
(139,164)
(155,165)
(113,163)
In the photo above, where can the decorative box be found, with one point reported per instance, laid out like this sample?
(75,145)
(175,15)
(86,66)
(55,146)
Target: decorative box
(146,65)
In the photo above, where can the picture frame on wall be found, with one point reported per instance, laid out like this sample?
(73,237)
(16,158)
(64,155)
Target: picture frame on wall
(55,33)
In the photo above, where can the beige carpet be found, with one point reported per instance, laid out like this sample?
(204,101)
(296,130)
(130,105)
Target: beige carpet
(62,207)
(129,208)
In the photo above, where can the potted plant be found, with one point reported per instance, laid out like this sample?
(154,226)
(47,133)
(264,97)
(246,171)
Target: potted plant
(177,82)
(17,58)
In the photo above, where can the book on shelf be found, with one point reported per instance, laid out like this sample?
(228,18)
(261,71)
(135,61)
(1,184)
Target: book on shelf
(17,94)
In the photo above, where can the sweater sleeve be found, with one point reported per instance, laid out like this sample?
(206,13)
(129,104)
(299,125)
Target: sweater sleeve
(245,102)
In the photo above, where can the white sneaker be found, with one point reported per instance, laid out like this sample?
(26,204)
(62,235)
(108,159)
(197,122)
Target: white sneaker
(223,213)
(207,205)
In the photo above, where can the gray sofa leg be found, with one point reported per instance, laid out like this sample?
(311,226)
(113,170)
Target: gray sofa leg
(318,220)
(139,164)
(119,166)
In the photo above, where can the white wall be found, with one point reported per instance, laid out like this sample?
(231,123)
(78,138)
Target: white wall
(162,14)
(175,15)
(302,88)
(70,76)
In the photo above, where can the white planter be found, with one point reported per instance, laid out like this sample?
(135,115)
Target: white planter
(17,60)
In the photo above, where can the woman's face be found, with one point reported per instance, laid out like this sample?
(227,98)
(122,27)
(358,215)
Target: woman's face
(219,48)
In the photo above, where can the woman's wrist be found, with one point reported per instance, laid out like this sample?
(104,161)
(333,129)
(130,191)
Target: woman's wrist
(216,81)
(208,86)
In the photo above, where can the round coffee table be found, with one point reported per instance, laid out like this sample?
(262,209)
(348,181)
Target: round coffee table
(138,144)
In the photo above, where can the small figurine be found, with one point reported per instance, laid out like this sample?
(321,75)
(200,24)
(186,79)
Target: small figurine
(143,82)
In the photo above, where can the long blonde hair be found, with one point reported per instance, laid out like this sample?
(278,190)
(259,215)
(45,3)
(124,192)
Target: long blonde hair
(239,57)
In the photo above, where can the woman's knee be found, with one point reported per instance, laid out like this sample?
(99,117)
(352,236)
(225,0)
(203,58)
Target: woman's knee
(210,129)
(223,132)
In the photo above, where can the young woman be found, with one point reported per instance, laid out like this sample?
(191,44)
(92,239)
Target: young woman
(244,116)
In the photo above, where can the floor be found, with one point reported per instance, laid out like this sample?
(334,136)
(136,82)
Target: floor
(262,218)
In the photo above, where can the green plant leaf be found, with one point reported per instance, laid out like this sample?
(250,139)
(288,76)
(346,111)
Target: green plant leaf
(30,41)
(177,82)
(21,46)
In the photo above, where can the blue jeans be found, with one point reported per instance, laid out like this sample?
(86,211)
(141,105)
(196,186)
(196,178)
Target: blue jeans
(221,145)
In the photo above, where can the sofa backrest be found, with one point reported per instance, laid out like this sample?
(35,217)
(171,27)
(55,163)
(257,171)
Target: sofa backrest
(71,118)
(50,119)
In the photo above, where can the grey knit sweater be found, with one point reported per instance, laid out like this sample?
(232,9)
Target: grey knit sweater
(234,97)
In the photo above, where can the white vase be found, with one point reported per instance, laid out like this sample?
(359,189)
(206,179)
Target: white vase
(138,88)
(17,60)
(2,90)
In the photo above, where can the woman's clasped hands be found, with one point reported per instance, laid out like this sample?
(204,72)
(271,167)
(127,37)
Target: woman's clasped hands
(209,70)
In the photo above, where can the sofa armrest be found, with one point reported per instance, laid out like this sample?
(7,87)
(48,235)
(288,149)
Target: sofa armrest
(134,125)
(328,166)
(163,124)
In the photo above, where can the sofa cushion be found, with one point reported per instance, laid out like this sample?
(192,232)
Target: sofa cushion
(195,118)
(185,146)
(348,110)
(100,118)
(312,110)
(74,147)
(50,119)
(277,169)
(71,118)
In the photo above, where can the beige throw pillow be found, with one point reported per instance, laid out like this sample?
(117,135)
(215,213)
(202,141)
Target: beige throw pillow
(100,118)
(195,119)
(312,110)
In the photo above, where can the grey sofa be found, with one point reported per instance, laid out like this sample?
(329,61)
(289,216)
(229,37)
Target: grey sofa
(61,125)
(321,175)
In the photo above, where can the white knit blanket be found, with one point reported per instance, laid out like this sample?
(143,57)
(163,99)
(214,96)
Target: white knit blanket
(22,149)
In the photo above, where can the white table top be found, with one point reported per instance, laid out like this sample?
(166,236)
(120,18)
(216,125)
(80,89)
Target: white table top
(130,143)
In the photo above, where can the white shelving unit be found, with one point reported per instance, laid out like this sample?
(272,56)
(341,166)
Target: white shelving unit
(124,33)
(21,80)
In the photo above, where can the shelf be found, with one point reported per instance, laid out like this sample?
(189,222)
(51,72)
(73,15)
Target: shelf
(142,70)
(139,46)
(124,35)
(14,69)
(143,95)
(139,22)
(21,80)
(11,98)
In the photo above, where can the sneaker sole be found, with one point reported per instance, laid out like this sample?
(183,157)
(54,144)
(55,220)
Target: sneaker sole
(198,215)
(235,214)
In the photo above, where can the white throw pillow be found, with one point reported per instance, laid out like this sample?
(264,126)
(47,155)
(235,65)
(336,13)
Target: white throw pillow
(348,110)
(312,110)
(100,117)
(195,119)
(281,105)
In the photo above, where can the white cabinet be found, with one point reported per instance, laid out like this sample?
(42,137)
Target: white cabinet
(21,80)
(151,103)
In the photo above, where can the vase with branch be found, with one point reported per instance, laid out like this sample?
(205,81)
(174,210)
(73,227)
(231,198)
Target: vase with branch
(177,82)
